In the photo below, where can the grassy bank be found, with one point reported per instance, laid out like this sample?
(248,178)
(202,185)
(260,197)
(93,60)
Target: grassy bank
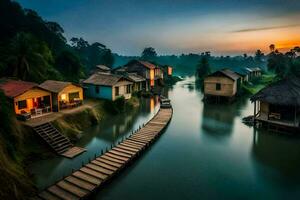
(74,124)
(257,84)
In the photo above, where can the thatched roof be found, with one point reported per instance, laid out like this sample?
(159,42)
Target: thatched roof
(105,79)
(283,92)
(55,86)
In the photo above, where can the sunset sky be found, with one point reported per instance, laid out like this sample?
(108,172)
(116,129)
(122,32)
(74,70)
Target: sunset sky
(224,27)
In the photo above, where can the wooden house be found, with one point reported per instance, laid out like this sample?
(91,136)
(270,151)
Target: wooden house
(152,73)
(102,68)
(167,70)
(222,83)
(64,94)
(243,73)
(108,86)
(279,103)
(253,72)
(28,98)
(139,82)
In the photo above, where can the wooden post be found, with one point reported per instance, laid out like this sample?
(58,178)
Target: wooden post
(254,116)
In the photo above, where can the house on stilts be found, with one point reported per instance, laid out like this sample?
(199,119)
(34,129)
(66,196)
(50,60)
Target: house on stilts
(278,105)
(222,84)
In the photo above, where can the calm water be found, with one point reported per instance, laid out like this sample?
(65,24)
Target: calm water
(206,152)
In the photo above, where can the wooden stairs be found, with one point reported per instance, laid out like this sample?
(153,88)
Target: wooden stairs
(57,141)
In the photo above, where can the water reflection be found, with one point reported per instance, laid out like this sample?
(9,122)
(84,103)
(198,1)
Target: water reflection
(278,156)
(218,120)
(95,139)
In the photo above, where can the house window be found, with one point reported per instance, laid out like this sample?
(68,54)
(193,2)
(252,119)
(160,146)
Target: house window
(97,89)
(128,89)
(22,104)
(74,95)
(218,86)
(63,97)
(116,91)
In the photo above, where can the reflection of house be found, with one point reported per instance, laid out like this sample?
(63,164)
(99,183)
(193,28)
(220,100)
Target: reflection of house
(222,83)
(64,94)
(108,86)
(139,83)
(152,73)
(28,98)
(279,103)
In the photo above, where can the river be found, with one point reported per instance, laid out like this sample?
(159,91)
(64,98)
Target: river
(205,153)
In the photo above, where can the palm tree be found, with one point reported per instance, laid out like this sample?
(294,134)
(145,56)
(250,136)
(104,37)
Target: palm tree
(29,58)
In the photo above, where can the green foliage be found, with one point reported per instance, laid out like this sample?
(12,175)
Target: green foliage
(115,107)
(149,54)
(92,54)
(203,68)
(69,64)
(284,65)
(34,49)
(29,59)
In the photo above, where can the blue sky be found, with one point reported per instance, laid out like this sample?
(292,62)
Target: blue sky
(177,26)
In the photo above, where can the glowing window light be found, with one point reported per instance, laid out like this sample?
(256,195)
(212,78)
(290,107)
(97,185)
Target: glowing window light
(170,71)
(63,97)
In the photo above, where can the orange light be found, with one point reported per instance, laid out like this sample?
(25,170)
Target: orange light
(170,71)
(151,83)
(151,74)
(152,104)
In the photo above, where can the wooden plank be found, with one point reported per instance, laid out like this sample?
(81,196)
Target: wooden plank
(104,165)
(131,145)
(117,157)
(130,148)
(48,196)
(136,142)
(124,151)
(113,159)
(80,183)
(73,189)
(96,167)
(61,193)
(86,177)
(93,173)
(120,154)
(114,164)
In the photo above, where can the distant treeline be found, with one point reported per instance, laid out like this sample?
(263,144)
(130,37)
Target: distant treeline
(186,64)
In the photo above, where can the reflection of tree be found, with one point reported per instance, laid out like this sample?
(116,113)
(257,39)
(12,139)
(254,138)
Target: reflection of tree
(218,119)
(279,152)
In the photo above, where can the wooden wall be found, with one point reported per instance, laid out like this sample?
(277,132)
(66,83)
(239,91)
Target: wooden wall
(71,89)
(228,86)
(28,96)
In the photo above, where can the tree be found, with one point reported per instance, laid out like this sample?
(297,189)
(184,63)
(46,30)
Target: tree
(149,54)
(69,65)
(29,58)
(258,55)
(272,47)
(203,68)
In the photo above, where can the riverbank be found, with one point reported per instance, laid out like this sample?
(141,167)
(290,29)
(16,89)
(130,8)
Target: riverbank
(259,83)
(20,146)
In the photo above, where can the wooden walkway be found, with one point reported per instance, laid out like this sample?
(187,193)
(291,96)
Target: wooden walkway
(83,182)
